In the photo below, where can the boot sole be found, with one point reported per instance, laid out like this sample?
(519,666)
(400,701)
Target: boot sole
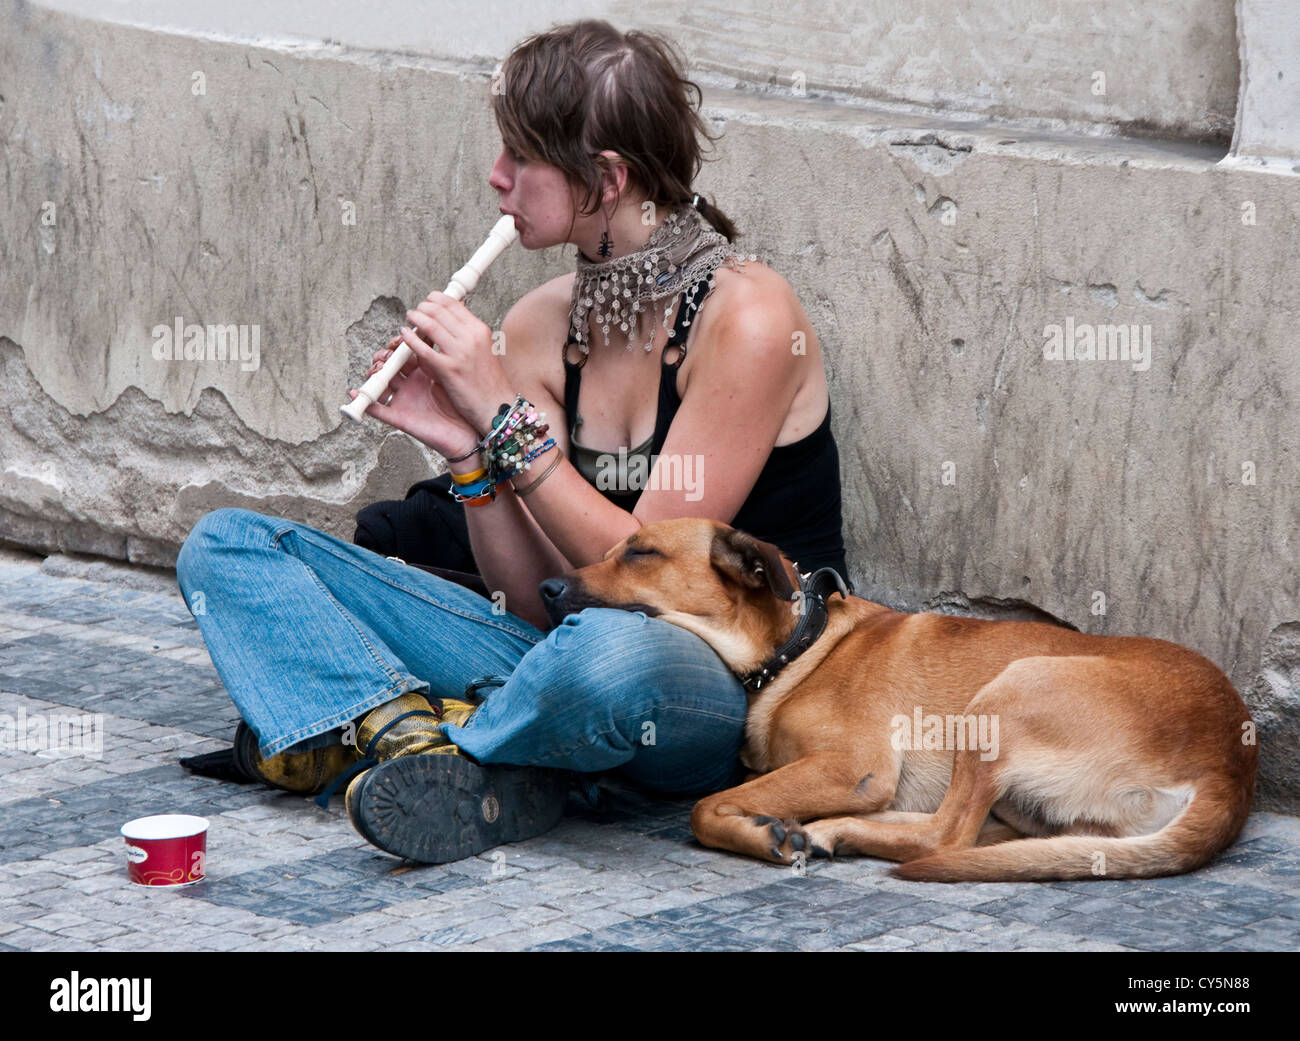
(434,809)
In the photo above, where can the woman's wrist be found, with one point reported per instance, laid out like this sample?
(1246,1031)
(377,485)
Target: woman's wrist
(486,416)
(466,462)
(516,437)
(482,423)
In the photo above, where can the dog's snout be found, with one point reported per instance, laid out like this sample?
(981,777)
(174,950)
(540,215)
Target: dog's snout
(553,588)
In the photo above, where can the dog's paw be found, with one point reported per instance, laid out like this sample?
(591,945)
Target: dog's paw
(783,839)
(823,838)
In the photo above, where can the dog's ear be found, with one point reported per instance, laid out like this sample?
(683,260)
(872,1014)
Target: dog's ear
(744,559)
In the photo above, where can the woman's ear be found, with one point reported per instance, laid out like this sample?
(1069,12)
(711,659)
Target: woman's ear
(615,175)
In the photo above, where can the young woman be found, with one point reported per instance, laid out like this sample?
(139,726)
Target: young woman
(664,338)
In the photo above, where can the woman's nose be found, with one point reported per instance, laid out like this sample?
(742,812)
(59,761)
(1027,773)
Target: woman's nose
(498,177)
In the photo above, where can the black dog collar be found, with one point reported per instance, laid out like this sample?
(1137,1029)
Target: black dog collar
(814,588)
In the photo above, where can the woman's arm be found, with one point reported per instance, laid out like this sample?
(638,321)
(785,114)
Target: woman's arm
(512,551)
(513,554)
(448,399)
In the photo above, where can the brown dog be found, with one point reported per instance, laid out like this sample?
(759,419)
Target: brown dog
(970,750)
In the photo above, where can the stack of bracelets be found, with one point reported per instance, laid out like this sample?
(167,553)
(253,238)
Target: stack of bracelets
(509,448)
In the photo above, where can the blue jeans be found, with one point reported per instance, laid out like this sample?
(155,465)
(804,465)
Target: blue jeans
(308,632)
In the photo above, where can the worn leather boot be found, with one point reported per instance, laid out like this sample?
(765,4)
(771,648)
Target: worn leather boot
(409,725)
(405,725)
(305,773)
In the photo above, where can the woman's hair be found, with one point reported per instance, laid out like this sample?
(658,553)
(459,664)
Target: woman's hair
(566,94)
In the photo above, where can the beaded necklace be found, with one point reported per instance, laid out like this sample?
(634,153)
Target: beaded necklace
(683,249)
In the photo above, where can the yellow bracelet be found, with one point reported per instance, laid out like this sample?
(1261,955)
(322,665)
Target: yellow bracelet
(478,474)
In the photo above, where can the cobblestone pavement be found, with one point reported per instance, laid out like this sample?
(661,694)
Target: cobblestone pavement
(627,875)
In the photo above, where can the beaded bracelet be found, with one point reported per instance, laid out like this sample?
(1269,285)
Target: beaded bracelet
(510,446)
(514,439)
(545,447)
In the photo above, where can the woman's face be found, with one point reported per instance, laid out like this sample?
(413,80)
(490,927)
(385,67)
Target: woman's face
(538,196)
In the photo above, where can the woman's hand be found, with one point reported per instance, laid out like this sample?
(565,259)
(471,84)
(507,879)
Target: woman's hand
(418,405)
(464,366)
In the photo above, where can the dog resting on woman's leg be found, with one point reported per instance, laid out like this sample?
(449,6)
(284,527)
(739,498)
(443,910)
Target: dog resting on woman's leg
(969,750)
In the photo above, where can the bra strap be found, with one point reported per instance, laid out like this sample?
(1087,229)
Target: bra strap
(572,380)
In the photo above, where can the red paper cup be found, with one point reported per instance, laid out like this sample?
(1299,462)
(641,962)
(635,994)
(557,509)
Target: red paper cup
(167,850)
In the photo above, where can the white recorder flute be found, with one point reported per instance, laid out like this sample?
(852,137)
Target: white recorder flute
(503,233)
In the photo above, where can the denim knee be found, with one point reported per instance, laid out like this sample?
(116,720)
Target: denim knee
(656,696)
(212,532)
(625,667)
(592,659)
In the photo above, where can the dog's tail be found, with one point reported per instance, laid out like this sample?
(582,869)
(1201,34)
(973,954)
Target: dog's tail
(1205,825)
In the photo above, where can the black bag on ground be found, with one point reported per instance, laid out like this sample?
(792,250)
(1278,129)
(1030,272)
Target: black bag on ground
(427,529)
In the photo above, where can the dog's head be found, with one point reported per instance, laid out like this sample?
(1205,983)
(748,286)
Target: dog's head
(727,587)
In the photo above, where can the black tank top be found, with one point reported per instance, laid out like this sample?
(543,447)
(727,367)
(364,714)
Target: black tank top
(795,502)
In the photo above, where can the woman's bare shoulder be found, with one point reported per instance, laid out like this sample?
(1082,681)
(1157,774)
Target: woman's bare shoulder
(753,309)
(755,292)
(533,334)
(542,313)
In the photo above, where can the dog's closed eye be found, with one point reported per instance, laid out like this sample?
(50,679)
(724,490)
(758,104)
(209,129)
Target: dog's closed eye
(641,551)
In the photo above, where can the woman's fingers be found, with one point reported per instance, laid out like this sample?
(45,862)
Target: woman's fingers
(380,359)
(421,350)
(452,314)
(432,327)
(385,407)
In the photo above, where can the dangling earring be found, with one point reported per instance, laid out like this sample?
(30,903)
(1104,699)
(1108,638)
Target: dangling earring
(606,243)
